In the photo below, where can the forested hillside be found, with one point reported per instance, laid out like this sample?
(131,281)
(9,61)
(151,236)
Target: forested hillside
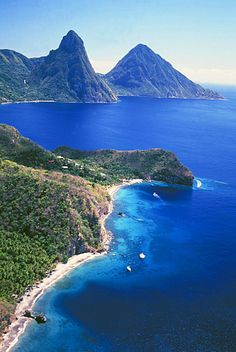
(51,204)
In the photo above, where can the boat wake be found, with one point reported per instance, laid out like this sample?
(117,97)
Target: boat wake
(199,183)
(207,184)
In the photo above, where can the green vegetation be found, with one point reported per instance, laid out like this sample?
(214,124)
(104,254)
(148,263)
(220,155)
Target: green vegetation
(113,165)
(16,148)
(45,217)
(15,69)
(50,204)
(23,262)
(105,167)
(142,72)
(23,151)
(65,74)
(55,212)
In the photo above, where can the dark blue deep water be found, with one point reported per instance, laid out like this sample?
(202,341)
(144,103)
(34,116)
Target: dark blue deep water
(182,297)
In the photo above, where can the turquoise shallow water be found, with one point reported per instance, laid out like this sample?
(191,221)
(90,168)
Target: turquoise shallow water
(182,297)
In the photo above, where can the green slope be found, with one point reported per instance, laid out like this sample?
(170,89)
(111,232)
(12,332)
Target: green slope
(49,212)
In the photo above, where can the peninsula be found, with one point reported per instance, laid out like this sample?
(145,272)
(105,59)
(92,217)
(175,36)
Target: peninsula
(53,206)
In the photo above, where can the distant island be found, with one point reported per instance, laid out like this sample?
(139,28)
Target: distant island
(66,75)
(53,206)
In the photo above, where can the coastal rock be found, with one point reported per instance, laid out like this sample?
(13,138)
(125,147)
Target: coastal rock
(40,319)
(28,314)
(142,72)
(121,214)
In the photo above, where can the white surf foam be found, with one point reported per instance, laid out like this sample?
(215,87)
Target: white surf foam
(199,183)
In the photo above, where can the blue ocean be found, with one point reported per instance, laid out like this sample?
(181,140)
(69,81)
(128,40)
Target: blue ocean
(182,296)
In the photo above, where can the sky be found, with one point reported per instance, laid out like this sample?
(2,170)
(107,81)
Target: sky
(198,37)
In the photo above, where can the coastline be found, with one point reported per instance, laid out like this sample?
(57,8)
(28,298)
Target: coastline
(106,234)
(19,324)
(27,102)
(54,101)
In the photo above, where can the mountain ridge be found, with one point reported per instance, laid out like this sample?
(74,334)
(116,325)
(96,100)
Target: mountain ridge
(66,75)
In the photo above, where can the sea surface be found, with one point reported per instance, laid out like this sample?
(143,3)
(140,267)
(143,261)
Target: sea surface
(182,296)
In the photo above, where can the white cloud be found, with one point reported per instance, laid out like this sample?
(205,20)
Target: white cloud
(103,66)
(210,75)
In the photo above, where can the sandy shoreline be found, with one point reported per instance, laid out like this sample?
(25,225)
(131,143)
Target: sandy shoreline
(19,325)
(112,190)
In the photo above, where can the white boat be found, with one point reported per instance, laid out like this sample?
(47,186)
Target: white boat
(142,256)
(156,195)
(129,268)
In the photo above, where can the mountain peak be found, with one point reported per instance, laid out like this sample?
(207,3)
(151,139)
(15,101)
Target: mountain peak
(142,72)
(142,48)
(71,42)
(66,74)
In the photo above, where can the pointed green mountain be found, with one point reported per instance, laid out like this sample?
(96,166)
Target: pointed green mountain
(142,72)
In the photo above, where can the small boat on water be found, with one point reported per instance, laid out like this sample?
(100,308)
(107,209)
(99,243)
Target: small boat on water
(142,256)
(140,219)
(129,268)
(156,195)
